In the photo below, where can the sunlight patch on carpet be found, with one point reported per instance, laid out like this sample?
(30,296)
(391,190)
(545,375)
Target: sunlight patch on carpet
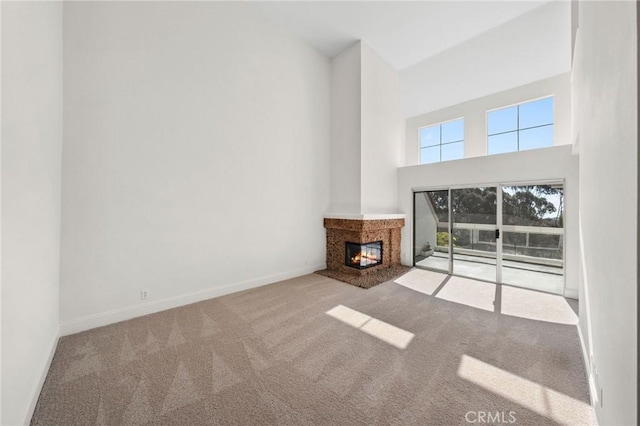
(374,327)
(477,294)
(533,396)
(421,280)
(537,306)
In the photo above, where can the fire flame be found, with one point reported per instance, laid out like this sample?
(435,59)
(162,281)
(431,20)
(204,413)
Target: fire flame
(364,255)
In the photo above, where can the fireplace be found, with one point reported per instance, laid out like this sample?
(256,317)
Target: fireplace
(363,251)
(363,256)
(362,246)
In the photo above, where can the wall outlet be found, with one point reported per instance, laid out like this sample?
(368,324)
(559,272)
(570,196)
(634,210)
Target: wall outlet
(144,294)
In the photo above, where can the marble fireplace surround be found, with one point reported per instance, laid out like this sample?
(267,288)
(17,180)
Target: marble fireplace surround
(363,229)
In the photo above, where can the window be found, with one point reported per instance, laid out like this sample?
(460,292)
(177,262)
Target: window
(442,142)
(520,127)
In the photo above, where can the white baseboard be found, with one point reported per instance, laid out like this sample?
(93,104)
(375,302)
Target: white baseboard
(123,314)
(43,377)
(587,368)
(571,293)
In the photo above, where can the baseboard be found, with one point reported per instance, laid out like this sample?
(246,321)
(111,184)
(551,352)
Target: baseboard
(43,377)
(123,314)
(571,293)
(587,367)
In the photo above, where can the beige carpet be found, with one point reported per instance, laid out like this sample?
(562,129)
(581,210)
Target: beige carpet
(313,350)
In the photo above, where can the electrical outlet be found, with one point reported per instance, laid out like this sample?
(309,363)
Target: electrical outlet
(144,294)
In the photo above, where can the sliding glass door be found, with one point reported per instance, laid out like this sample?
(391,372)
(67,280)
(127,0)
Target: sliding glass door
(511,234)
(533,236)
(474,212)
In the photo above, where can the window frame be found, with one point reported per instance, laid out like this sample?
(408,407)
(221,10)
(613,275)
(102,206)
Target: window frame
(440,123)
(518,129)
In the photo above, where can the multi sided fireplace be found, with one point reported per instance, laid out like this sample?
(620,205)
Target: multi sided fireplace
(363,256)
(362,247)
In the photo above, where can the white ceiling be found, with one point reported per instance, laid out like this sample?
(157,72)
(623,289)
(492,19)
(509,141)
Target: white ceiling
(403,33)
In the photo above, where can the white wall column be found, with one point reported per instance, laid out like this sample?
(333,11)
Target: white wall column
(605,90)
(367,133)
(31,210)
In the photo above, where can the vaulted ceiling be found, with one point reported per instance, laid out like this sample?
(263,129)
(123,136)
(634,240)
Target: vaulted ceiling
(403,33)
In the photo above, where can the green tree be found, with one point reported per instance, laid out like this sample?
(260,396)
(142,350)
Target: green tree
(530,206)
(521,205)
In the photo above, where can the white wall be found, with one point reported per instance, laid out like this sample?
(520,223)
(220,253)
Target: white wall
(196,158)
(426,225)
(553,163)
(475,115)
(605,84)
(31,157)
(528,48)
(0,214)
(382,134)
(346,109)
(367,133)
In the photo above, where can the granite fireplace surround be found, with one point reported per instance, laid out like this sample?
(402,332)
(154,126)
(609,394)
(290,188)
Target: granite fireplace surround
(362,231)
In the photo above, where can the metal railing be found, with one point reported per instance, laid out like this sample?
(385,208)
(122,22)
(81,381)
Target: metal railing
(551,256)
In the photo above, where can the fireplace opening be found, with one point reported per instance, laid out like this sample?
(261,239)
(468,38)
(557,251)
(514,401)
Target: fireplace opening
(362,256)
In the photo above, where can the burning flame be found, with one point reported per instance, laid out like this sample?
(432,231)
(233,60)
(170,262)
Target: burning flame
(368,257)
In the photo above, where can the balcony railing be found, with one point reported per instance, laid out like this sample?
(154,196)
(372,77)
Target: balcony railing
(522,250)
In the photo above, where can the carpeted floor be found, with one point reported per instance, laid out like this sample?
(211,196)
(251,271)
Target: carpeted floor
(432,350)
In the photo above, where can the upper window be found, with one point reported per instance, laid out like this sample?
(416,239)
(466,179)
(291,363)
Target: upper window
(520,127)
(442,142)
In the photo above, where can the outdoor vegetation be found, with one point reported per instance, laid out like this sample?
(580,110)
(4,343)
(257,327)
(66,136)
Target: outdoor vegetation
(531,206)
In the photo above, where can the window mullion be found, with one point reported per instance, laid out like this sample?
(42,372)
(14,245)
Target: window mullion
(518,127)
(441,143)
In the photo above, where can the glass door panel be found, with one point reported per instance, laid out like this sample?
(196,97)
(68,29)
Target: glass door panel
(431,230)
(533,237)
(474,223)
